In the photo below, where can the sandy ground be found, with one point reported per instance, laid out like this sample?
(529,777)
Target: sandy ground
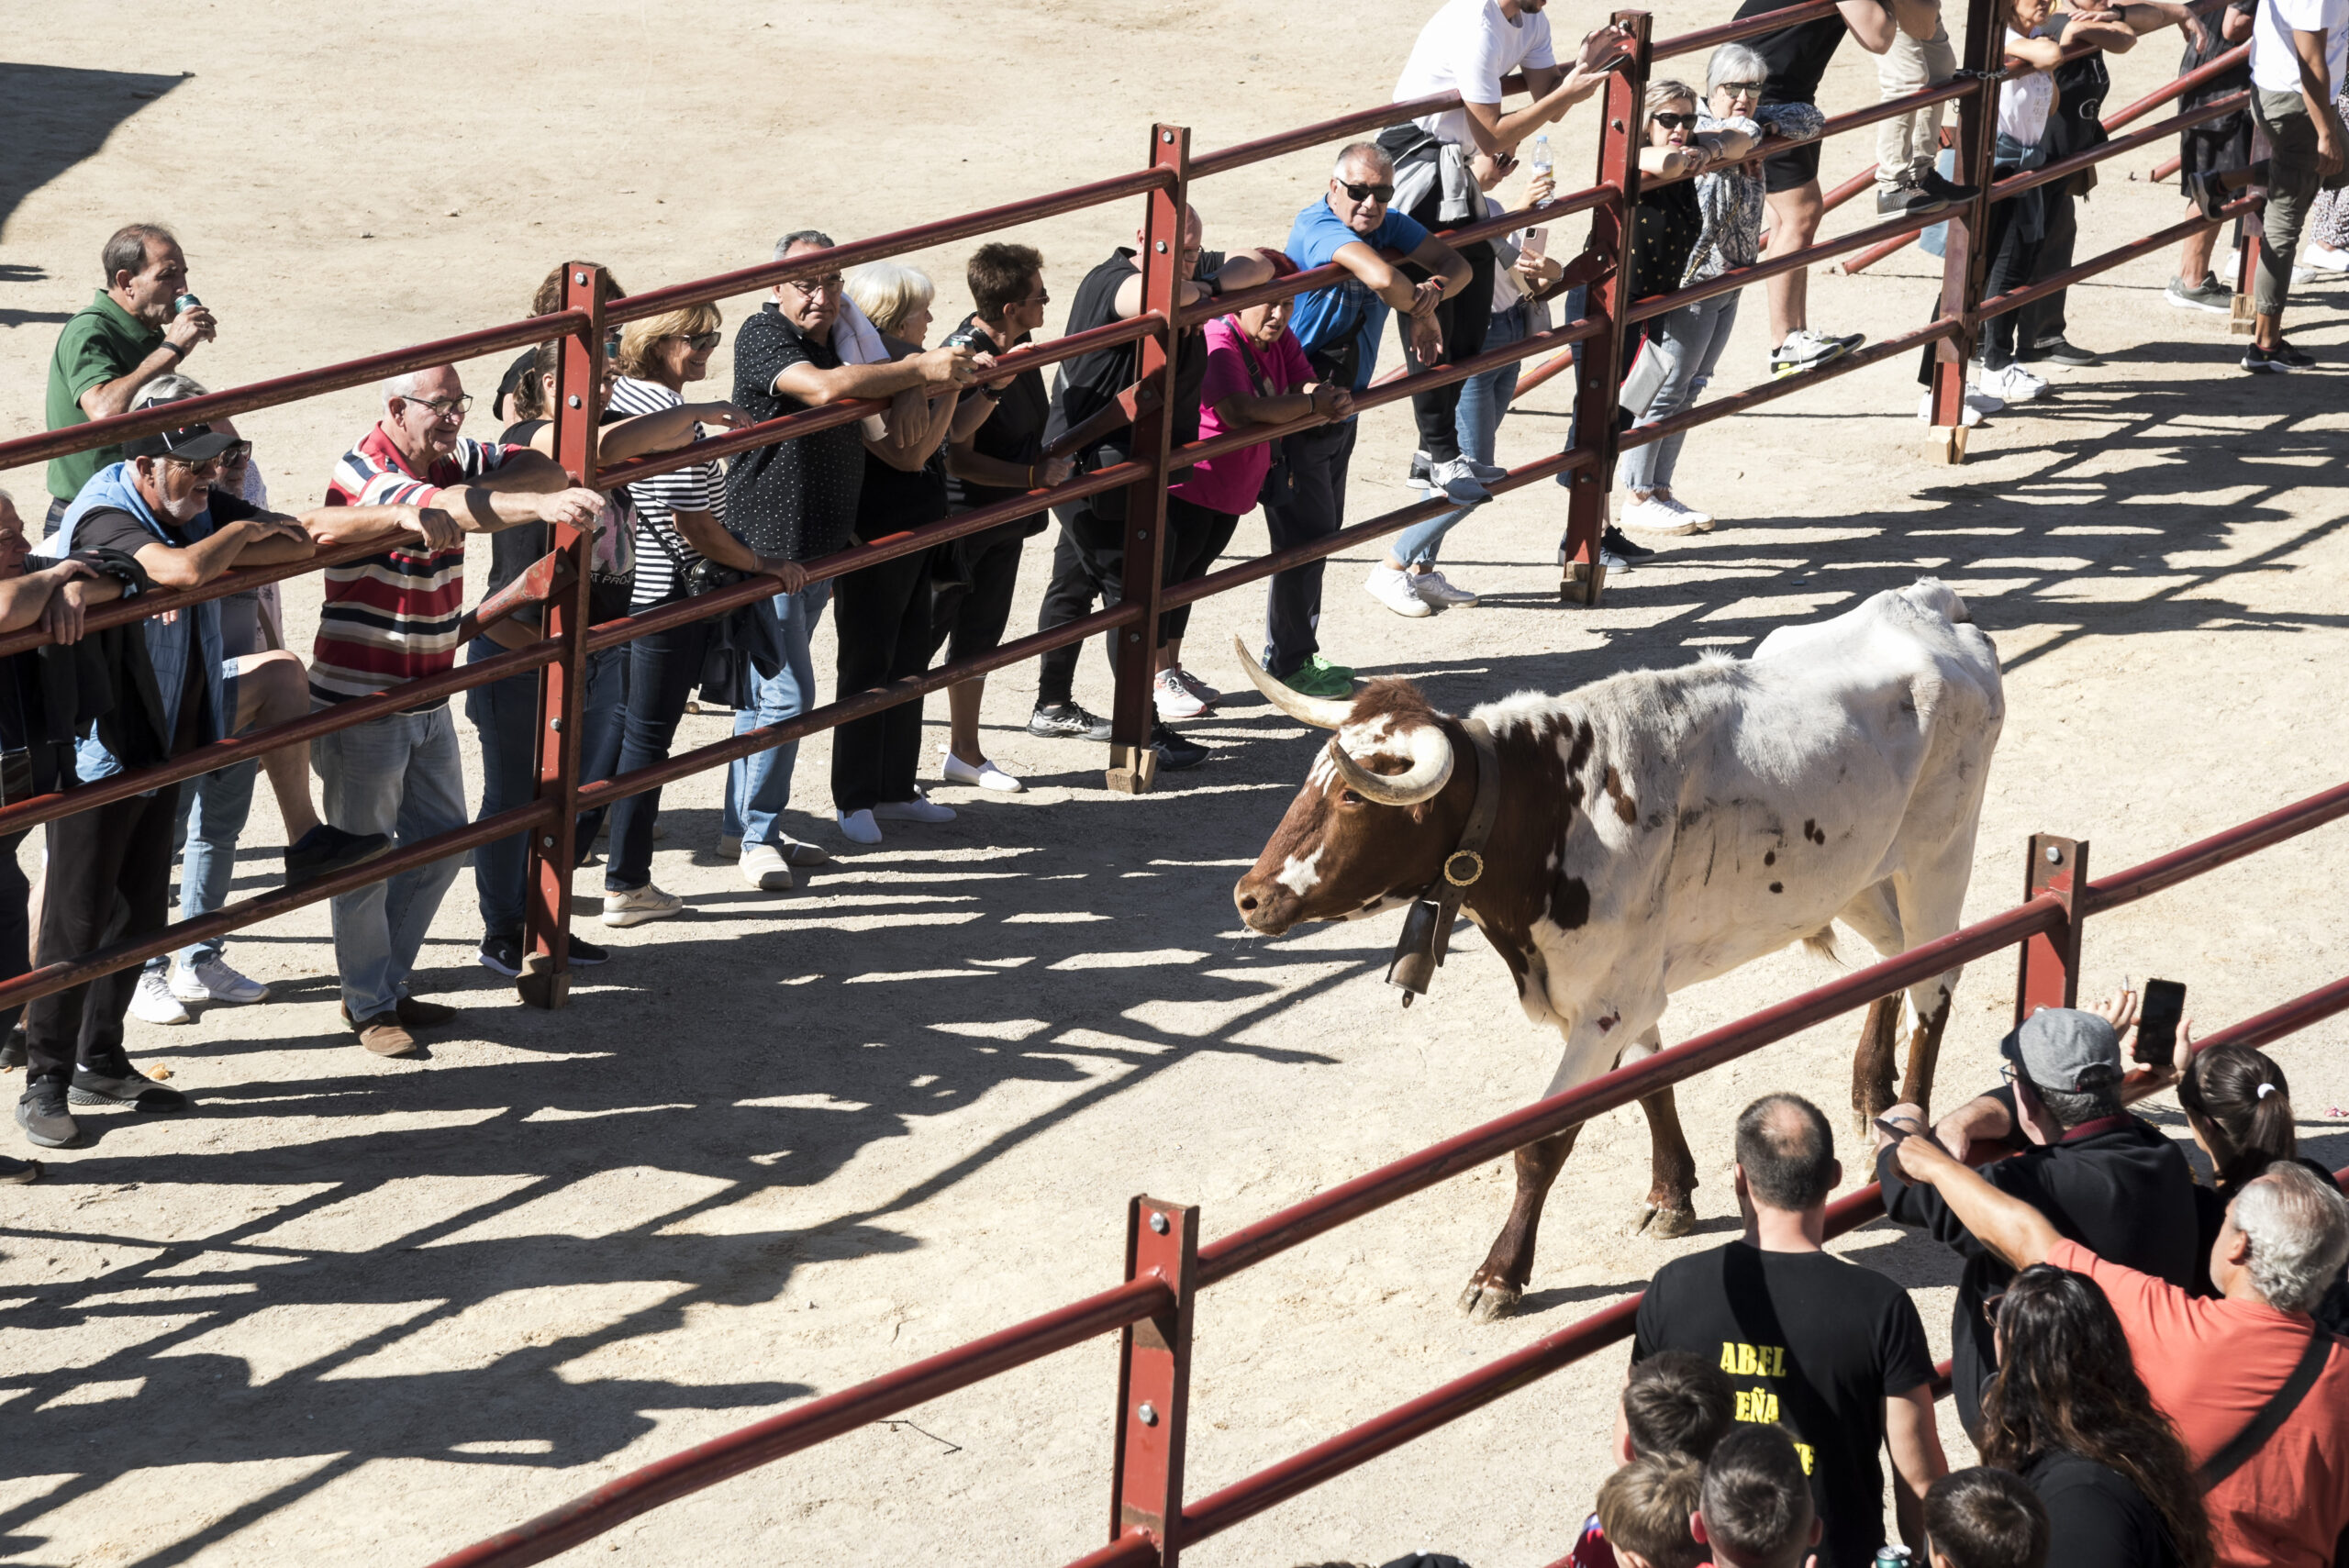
(354,1310)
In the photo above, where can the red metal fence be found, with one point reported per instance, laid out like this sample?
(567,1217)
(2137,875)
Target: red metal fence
(1166,1266)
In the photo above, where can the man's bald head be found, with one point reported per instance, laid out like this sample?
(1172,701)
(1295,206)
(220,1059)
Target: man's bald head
(1787,1150)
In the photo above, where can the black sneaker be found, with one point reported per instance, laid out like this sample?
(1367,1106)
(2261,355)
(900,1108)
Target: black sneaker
(1176,753)
(585,954)
(1934,183)
(1908,198)
(15,1172)
(502,955)
(325,849)
(1615,543)
(2281,360)
(1066,721)
(120,1084)
(2059,350)
(41,1112)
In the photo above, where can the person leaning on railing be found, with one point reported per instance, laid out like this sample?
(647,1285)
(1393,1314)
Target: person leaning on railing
(797,501)
(132,332)
(507,712)
(1339,326)
(36,746)
(1088,560)
(1471,47)
(519,395)
(972,578)
(882,622)
(2255,1387)
(391,619)
(1677,351)
(2300,58)
(683,548)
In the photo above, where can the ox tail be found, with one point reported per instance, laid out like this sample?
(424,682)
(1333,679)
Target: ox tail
(1822,942)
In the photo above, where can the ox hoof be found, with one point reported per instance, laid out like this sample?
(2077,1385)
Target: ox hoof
(1489,1301)
(1664,1222)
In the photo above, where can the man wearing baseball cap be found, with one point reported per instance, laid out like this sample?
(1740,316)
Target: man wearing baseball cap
(2104,1178)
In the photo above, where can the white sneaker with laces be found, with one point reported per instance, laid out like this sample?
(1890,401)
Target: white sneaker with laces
(858,826)
(1393,589)
(1692,520)
(1174,699)
(1431,587)
(153,1003)
(986,775)
(210,979)
(2012,384)
(1977,406)
(639,905)
(1208,697)
(764,867)
(1654,514)
(914,810)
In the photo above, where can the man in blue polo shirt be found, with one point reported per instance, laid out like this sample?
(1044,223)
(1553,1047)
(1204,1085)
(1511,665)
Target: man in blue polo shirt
(1340,328)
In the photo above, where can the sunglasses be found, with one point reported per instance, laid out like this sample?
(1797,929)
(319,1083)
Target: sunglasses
(1742,89)
(1675,122)
(1381,193)
(228,457)
(701,342)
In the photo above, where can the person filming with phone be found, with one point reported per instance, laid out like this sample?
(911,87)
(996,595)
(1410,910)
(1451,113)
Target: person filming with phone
(2106,1179)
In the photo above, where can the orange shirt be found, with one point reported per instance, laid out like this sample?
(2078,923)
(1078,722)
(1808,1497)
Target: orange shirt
(2210,1365)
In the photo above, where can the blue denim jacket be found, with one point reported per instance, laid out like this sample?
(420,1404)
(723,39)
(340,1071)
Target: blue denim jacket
(172,640)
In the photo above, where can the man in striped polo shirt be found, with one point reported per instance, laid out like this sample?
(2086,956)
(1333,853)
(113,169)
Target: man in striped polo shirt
(392,618)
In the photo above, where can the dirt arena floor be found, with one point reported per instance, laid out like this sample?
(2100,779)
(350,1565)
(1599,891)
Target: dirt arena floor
(352,1310)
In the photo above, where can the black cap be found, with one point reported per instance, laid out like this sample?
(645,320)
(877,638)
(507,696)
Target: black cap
(194,443)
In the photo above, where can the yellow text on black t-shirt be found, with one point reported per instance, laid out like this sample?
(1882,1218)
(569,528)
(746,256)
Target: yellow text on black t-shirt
(1759,1404)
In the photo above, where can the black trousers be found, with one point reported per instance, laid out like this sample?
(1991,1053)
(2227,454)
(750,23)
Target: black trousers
(1318,459)
(121,849)
(881,616)
(2012,257)
(1090,564)
(1464,319)
(663,670)
(2043,320)
(15,921)
(972,621)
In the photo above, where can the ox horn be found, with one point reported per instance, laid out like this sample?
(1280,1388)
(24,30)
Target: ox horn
(1431,769)
(1322,713)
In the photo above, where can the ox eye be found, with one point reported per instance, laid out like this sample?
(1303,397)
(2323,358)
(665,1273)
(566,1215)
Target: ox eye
(1348,797)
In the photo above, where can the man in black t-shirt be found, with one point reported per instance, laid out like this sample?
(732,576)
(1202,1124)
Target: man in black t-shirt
(1834,1353)
(1089,562)
(1798,58)
(2111,1180)
(796,501)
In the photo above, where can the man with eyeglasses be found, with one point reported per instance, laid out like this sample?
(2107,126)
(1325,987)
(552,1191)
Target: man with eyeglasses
(2108,1180)
(392,617)
(1339,327)
(159,507)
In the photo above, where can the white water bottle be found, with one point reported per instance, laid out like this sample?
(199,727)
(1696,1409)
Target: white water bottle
(1540,163)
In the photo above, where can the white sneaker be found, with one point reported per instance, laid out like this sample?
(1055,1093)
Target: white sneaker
(1431,587)
(1657,515)
(2012,384)
(763,868)
(639,905)
(1174,699)
(1691,519)
(153,1003)
(915,810)
(1979,406)
(1458,481)
(730,846)
(986,775)
(2324,259)
(858,826)
(1208,697)
(210,979)
(1393,589)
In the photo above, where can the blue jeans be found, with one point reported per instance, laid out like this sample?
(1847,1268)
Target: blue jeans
(1482,400)
(759,787)
(1667,379)
(212,816)
(507,714)
(399,774)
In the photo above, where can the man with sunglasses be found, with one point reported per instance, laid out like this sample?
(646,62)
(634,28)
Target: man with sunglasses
(392,617)
(2108,1180)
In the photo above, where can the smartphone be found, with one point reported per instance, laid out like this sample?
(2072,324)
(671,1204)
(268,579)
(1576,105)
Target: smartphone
(1537,242)
(2157,1019)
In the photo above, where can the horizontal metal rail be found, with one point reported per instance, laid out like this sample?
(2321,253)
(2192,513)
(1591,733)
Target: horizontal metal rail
(1770,146)
(1793,261)
(1771,391)
(1743,29)
(2015,299)
(2219,849)
(619,1501)
(2064,168)
(161,601)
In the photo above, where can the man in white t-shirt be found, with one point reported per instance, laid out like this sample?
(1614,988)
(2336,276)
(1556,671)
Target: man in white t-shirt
(2299,50)
(1470,46)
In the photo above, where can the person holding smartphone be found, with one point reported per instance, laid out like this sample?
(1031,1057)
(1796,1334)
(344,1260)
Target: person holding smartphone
(2109,1179)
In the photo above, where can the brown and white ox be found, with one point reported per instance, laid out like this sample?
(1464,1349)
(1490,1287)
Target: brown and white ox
(1660,828)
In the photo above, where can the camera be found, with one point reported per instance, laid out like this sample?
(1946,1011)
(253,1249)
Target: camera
(970,338)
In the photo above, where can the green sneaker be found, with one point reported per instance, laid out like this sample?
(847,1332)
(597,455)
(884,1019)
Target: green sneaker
(1317,677)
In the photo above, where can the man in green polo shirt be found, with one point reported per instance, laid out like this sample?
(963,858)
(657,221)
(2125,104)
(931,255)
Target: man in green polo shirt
(125,337)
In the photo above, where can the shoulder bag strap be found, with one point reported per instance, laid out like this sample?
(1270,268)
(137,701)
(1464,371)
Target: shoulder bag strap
(2272,1415)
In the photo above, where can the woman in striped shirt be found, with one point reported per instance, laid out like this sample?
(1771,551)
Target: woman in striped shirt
(681,524)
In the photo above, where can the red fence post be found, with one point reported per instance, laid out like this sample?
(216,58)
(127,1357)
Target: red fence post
(1154,1378)
(545,980)
(1602,355)
(1132,764)
(2048,974)
(1965,257)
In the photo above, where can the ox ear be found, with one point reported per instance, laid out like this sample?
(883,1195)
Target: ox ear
(1419,812)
